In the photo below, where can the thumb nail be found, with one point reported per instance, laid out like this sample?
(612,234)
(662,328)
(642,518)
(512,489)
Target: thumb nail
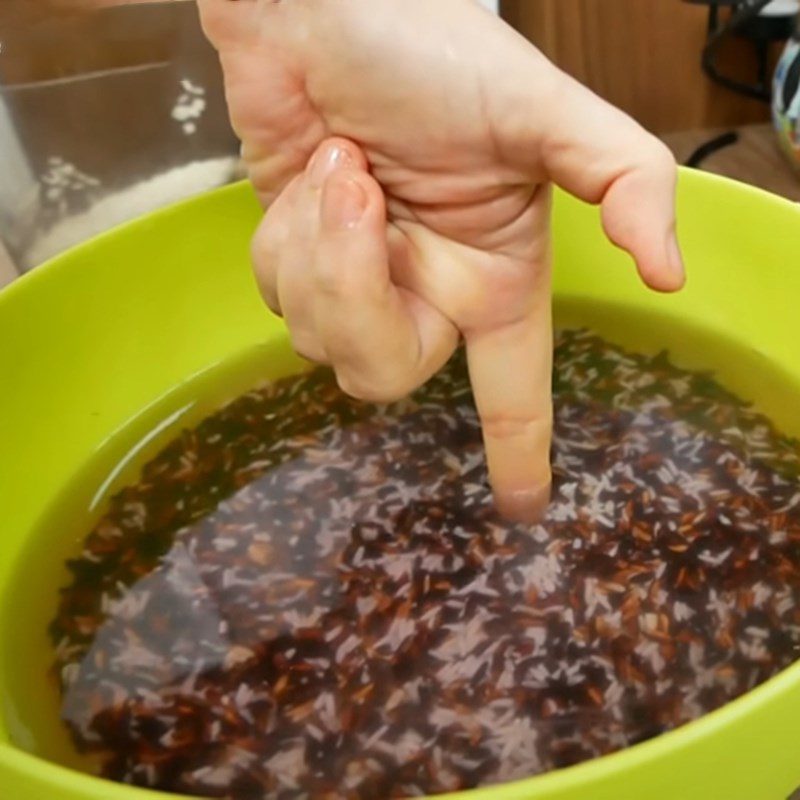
(344,201)
(325,162)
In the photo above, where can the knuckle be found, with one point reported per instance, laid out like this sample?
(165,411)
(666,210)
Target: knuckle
(266,245)
(271,300)
(307,347)
(265,255)
(329,279)
(266,280)
(659,158)
(506,428)
(371,389)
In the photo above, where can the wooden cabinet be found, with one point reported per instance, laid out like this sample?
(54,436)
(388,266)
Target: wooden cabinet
(643,56)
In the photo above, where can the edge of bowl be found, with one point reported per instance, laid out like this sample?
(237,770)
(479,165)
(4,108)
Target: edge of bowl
(56,777)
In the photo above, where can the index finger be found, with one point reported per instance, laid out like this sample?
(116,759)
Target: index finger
(511,373)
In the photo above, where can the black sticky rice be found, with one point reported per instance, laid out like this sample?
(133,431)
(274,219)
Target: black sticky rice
(308,597)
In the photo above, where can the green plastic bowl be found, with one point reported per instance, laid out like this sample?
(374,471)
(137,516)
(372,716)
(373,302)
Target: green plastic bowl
(95,337)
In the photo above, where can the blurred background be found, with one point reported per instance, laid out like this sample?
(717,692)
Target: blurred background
(645,57)
(109,113)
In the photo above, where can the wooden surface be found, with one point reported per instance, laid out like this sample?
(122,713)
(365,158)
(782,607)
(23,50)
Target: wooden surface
(754,159)
(115,75)
(102,92)
(643,56)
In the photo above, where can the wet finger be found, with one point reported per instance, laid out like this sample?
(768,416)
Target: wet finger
(510,369)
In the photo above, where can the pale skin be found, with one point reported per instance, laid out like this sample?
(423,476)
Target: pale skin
(404,152)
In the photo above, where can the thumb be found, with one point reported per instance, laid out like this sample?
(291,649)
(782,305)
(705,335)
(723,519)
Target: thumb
(600,155)
(383,341)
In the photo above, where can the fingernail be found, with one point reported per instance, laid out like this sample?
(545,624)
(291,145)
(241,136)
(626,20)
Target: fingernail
(325,161)
(527,505)
(674,258)
(343,203)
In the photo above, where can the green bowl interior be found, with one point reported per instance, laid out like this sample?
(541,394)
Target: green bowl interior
(98,336)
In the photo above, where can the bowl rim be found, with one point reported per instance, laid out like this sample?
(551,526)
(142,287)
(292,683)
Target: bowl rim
(56,777)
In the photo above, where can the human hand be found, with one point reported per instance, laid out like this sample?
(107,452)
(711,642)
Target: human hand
(462,126)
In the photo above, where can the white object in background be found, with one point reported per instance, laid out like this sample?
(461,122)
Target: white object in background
(781,8)
(148,195)
(492,5)
(18,187)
